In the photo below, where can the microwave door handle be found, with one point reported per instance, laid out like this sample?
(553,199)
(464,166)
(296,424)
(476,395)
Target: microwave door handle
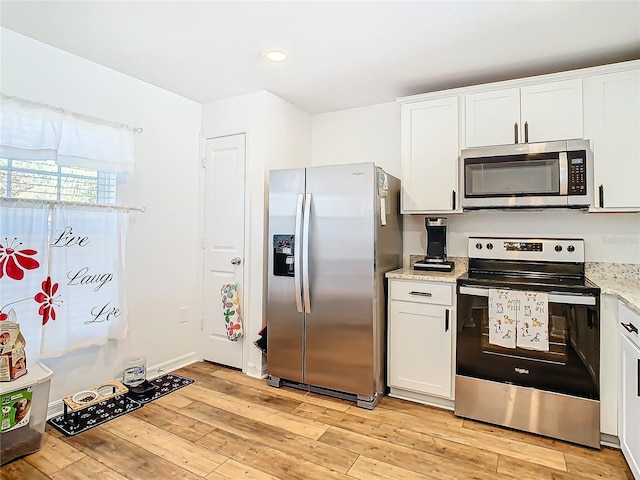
(564,176)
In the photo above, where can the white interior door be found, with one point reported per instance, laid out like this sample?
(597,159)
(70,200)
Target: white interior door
(223,242)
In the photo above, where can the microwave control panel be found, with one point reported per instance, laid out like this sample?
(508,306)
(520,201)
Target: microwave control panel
(577,172)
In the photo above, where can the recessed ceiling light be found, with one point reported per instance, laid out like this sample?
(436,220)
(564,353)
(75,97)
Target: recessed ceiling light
(276,55)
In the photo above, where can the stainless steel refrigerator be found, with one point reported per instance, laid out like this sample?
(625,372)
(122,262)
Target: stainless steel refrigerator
(334,231)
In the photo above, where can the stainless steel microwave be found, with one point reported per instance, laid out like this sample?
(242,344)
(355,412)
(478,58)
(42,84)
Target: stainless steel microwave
(527,175)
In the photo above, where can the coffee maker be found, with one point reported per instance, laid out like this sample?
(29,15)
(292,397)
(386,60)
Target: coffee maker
(436,259)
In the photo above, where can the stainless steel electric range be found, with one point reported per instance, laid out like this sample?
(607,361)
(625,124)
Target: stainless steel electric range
(528,338)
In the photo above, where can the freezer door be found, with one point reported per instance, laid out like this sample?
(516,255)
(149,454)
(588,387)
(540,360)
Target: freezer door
(285,338)
(340,319)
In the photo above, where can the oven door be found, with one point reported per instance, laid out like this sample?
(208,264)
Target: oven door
(572,364)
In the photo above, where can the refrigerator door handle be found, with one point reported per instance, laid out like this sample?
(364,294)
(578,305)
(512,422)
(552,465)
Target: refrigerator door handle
(296,253)
(305,253)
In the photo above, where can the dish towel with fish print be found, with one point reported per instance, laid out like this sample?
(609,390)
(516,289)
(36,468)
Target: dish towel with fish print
(533,321)
(231,311)
(503,309)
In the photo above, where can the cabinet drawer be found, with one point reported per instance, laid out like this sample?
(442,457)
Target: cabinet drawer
(421,292)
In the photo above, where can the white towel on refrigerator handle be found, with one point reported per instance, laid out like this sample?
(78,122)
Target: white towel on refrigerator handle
(231,311)
(502,317)
(533,321)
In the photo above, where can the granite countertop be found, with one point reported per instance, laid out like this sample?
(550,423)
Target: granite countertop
(621,280)
(408,273)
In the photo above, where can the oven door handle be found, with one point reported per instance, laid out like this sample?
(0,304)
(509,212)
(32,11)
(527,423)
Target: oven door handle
(553,297)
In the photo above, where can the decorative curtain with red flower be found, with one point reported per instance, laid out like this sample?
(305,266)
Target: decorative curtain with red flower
(83,301)
(23,268)
(61,275)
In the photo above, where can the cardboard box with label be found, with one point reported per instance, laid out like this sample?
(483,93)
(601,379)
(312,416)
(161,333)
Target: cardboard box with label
(13,360)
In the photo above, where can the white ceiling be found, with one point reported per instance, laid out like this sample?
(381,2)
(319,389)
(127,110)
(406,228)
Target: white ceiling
(343,54)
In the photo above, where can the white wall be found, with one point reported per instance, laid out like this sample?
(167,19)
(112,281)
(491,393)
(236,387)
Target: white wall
(278,136)
(163,267)
(367,134)
(373,134)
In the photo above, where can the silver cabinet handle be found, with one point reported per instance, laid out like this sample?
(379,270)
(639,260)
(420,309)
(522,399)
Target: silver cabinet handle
(236,261)
(421,294)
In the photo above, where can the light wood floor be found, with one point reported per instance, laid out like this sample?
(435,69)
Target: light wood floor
(230,426)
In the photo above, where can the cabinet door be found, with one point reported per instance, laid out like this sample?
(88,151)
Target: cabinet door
(630,405)
(420,348)
(490,117)
(612,123)
(429,155)
(552,111)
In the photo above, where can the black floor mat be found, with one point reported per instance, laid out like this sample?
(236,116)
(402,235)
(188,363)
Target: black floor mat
(160,387)
(111,408)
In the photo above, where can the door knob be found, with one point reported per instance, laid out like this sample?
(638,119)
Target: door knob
(236,261)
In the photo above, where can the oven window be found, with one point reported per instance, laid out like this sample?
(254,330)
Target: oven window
(558,336)
(509,178)
(570,366)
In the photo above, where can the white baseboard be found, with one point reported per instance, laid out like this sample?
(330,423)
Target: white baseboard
(609,440)
(255,371)
(421,398)
(56,407)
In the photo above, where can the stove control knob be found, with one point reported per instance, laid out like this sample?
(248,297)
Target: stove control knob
(489,246)
(479,246)
(571,248)
(558,248)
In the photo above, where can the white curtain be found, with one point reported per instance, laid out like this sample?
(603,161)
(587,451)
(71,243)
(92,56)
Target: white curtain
(23,268)
(33,131)
(86,280)
(62,275)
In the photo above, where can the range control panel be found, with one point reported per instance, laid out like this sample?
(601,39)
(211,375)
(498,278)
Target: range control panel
(538,249)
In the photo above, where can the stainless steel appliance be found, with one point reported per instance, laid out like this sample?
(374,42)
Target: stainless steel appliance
(335,231)
(552,391)
(436,259)
(550,174)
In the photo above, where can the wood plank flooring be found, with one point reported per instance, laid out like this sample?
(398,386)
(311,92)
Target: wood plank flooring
(230,426)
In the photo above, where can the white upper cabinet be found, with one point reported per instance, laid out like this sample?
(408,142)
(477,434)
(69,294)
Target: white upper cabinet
(429,153)
(492,117)
(612,123)
(535,113)
(600,104)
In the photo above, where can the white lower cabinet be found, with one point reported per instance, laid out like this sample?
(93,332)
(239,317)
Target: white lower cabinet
(420,341)
(629,400)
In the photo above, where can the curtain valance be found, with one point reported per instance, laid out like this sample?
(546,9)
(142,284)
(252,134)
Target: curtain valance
(33,131)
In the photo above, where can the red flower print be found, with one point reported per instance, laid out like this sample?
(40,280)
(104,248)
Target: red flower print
(233,326)
(14,262)
(47,300)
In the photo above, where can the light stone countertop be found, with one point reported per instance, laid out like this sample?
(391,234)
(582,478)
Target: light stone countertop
(407,273)
(621,280)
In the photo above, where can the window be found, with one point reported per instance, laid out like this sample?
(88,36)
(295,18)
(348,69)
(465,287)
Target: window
(44,180)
